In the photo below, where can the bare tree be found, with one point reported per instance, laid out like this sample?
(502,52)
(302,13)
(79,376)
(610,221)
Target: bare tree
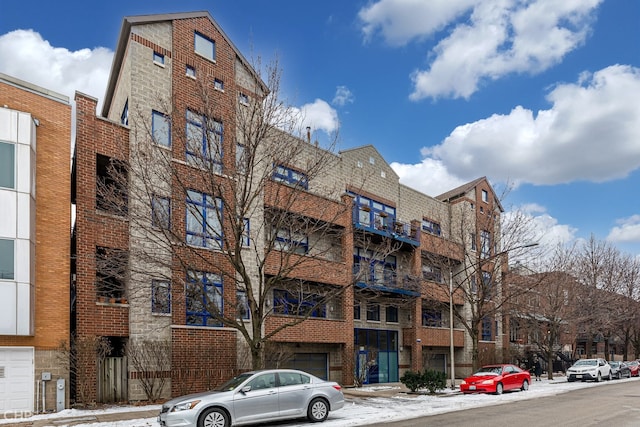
(259,212)
(152,363)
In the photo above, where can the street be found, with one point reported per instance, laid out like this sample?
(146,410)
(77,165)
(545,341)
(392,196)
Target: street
(616,404)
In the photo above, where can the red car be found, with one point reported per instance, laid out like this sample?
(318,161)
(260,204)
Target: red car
(496,379)
(634,366)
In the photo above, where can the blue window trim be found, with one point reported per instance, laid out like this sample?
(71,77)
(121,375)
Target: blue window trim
(211,284)
(389,264)
(205,146)
(205,41)
(161,212)
(158,58)
(202,203)
(431,227)
(164,138)
(373,214)
(155,303)
(289,176)
(288,303)
(486,329)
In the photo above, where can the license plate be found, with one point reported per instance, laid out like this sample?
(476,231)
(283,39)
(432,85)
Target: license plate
(472,387)
(578,376)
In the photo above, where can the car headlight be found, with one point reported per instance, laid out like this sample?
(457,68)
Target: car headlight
(463,382)
(487,382)
(184,406)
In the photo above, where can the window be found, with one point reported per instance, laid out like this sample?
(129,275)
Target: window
(290,241)
(111,270)
(7,165)
(391,314)
(474,245)
(190,72)
(485,244)
(111,185)
(432,273)
(124,117)
(431,317)
(374,269)
(205,46)
(290,176)
(7,259)
(161,128)
(161,212)
(373,312)
(245,233)
(371,213)
(158,58)
(298,303)
(243,98)
(204,299)
(160,297)
(486,329)
(204,141)
(263,382)
(242,304)
(356,310)
(372,160)
(383,174)
(204,227)
(485,196)
(487,285)
(241,158)
(431,227)
(218,85)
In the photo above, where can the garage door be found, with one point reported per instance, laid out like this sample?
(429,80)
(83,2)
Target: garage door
(16,379)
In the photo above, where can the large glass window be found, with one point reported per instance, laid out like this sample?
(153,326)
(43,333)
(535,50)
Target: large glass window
(373,269)
(161,128)
(203,220)
(486,329)
(290,176)
(204,141)
(298,303)
(204,299)
(7,257)
(7,165)
(431,317)
(205,46)
(485,243)
(290,241)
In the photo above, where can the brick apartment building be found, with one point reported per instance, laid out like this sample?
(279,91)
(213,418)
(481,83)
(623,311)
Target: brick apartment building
(388,312)
(35,221)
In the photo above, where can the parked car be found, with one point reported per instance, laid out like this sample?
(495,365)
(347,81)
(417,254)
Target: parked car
(634,366)
(496,379)
(620,370)
(256,397)
(589,369)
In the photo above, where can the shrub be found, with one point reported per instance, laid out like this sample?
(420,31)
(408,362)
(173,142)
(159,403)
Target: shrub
(429,379)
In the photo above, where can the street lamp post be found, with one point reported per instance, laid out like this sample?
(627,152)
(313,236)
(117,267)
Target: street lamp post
(451,346)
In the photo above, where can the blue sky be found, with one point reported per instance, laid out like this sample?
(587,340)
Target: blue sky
(542,95)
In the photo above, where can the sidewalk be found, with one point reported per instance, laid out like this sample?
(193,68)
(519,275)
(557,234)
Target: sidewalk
(152,411)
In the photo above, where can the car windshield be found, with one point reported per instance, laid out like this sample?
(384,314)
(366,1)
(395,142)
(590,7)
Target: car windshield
(586,363)
(234,382)
(496,370)
(614,364)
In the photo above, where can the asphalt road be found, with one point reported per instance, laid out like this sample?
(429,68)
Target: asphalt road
(616,404)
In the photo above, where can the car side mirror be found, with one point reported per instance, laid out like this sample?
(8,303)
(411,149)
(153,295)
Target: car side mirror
(245,389)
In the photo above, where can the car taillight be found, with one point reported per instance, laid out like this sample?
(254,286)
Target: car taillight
(337,387)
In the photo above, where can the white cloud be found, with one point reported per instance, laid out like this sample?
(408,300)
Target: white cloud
(400,21)
(627,231)
(343,96)
(430,176)
(590,133)
(546,229)
(25,55)
(499,38)
(319,115)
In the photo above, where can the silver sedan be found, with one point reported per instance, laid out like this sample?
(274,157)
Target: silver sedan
(254,397)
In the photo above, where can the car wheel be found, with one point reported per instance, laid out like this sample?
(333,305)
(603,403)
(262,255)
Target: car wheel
(618,376)
(610,378)
(213,417)
(318,410)
(599,377)
(525,385)
(499,388)
(569,380)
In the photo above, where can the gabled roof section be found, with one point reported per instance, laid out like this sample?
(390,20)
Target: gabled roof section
(371,151)
(123,40)
(465,188)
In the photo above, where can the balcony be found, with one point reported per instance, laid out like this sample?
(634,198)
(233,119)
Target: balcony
(435,244)
(391,283)
(385,226)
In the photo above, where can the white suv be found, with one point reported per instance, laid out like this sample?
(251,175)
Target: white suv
(589,369)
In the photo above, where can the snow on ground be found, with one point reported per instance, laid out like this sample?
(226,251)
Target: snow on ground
(357,410)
